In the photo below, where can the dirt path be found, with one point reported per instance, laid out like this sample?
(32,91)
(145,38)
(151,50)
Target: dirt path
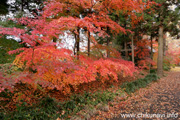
(158,101)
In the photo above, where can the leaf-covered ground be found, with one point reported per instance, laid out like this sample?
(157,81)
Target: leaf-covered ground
(160,100)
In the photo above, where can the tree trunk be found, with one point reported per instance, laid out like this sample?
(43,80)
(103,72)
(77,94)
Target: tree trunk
(78,43)
(151,47)
(22,5)
(108,40)
(126,51)
(55,41)
(132,49)
(160,53)
(27,5)
(88,43)
(108,53)
(164,46)
(151,54)
(75,45)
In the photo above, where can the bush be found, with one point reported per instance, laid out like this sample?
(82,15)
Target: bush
(5,46)
(58,69)
(153,71)
(49,109)
(166,67)
(46,109)
(131,87)
(79,102)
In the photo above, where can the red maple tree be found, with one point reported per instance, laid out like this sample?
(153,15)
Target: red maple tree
(58,68)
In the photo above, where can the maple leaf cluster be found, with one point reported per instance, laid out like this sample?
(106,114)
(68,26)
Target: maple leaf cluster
(142,53)
(58,68)
(173,54)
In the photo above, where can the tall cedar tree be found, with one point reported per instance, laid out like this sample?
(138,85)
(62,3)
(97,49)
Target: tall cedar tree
(3,7)
(158,20)
(167,20)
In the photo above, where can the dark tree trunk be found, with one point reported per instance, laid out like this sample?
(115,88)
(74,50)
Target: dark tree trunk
(108,40)
(151,54)
(151,47)
(27,4)
(126,51)
(75,44)
(55,41)
(132,49)
(78,43)
(88,43)
(164,46)
(22,5)
(108,52)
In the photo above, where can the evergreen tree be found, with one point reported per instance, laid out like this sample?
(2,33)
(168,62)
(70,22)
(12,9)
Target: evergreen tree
(3,7)
(161,18)
(167,21)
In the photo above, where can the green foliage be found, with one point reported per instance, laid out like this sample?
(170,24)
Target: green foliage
(166,67)
(166,64)
(8,68)
(45,110)
(153,71)
(5,46)
(79,102)
(3,7)
(131,87)
(10,24)
(48,108)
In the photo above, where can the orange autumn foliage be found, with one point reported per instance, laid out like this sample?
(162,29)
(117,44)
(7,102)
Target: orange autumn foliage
(59,69)
(53,68)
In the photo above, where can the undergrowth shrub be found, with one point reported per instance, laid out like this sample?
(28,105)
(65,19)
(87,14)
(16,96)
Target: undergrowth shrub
(131,87)
(47,108)
(170,60)
(79,102)
(166,66)
(153,71)
(5,46)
